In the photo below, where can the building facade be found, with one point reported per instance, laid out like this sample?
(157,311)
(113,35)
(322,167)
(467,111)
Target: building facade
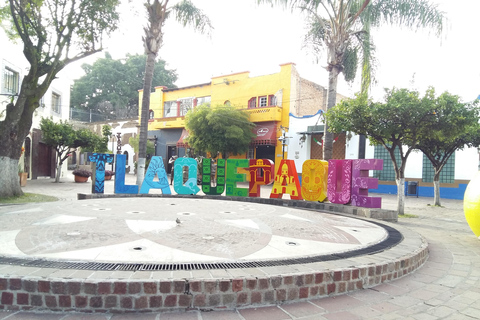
(268,99)
(38,159)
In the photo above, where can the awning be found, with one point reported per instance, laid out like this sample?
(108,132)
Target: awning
(266,134)
(181,143)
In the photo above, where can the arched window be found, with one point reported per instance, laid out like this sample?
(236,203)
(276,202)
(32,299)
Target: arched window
(151,115)
(227,103)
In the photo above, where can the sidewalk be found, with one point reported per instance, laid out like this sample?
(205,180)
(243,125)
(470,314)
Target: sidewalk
(446,287)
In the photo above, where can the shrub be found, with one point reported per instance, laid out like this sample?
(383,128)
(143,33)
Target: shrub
(82,173)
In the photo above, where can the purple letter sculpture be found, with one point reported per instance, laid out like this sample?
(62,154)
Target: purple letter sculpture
(361,183)
(339,181)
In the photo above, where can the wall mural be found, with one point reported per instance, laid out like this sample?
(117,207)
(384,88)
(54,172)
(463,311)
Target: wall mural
(347,181)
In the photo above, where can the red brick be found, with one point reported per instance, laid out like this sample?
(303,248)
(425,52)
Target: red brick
(179,286)
(22,298)
(313,291)
(30,285)
(281,295)
(256,297)
(96,302)
(262,284)
(355,274)
(43,286)
(351,286)
(269,296)
(337,276)
(65,301)
(126,303)
(251,284)
(134,287)
(199,300)
(276,282)
(378,270)
(15,284)
(371,271)
(111,302)
(170,301)
(104,288)
(195,286)
(165,287)
(293,294)
(150,287)
(359,284)
(120,288)
(242,298)
(287,280)
(303,293)
(141,303)
(214,300)
(7,298)
(318,278)
(308,278)
(237,285)
(3,284)
(37,300)
(58,287)
(80,301)
(299,280)
(73,288)
(342,287)
(347,274)
(228,299)
(155,302)
(322,290)
(51,301)
(224,285)
(89,288)
(331,288)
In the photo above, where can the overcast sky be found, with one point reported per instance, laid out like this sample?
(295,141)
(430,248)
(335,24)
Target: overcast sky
(258,38)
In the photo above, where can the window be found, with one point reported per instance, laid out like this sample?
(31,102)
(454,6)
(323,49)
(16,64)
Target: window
(151,115)
(252,103)
(227,103)
(56,106)
(10,81)
(170,109)
(272,100)
(204,100)
(262,101)
(447,175)
(388,172)
(185,106)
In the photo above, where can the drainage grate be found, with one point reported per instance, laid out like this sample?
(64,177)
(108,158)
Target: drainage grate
(394,237)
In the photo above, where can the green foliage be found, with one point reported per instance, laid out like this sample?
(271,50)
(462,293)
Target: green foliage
(134,142)
(222,129)
(110,87)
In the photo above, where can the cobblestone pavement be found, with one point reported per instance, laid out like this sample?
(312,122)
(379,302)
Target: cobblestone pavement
(446,287)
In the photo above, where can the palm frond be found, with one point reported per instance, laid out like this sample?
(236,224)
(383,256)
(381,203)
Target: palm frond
(188,14)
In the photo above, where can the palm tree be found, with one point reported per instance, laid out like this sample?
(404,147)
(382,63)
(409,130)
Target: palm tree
(158,12)
(342,28)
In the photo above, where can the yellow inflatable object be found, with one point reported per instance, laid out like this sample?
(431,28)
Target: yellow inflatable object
(471,204)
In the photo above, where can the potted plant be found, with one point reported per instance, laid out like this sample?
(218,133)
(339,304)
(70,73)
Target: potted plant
(109,174)
(81,175)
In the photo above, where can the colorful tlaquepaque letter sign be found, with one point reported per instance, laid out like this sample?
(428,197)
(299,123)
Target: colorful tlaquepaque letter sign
(99,174)
(314,180)
(120,186)
(190,186)
(339,181)
(286,181)
(156,167)
(207,187)
(261,174)
(361,182)
(233,177)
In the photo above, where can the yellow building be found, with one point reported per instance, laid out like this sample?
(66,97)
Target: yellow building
(269,99)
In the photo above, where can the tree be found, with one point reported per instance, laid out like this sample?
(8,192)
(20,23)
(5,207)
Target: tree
(110,87)
(158,12)
(223,129)
(451,126)
(342,28)
(65,139)
(54,33)
(395,124)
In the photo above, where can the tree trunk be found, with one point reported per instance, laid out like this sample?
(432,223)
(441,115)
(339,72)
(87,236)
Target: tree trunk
(142,142)
(400,195)
(436,189)
(9,181)
(331,101)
